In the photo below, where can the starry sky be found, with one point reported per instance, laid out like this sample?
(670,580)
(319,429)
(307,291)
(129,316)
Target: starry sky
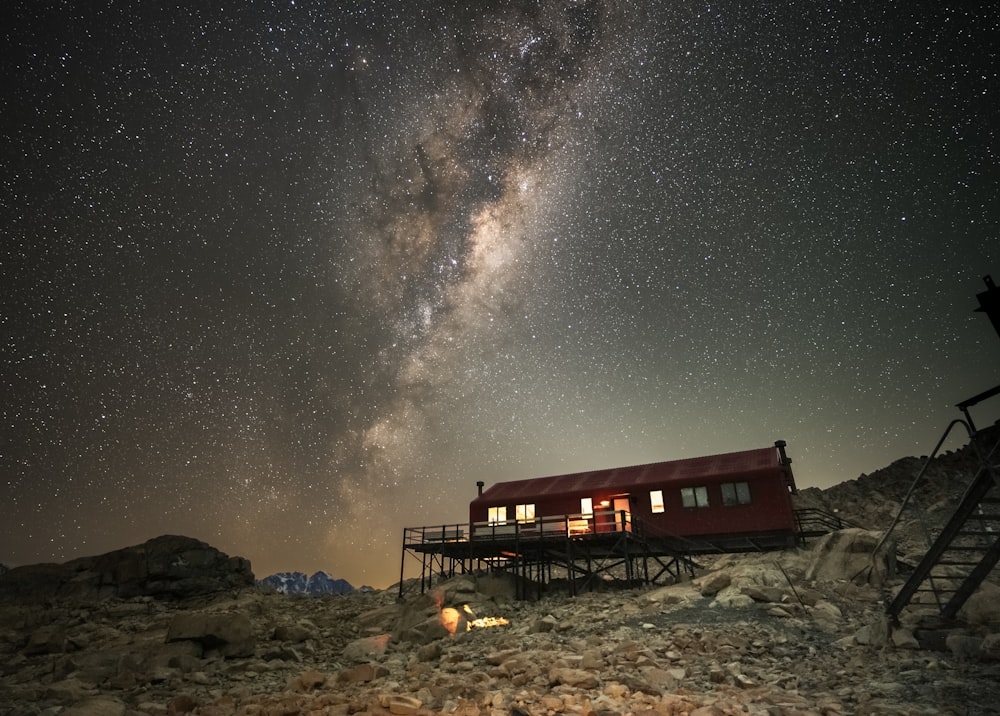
(289,275)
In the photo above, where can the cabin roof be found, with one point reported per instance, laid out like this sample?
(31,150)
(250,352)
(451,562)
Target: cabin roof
(711,468)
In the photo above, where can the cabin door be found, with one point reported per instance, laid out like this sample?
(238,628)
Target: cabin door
(623,515)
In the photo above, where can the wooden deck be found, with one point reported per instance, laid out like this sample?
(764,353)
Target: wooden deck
(577,549)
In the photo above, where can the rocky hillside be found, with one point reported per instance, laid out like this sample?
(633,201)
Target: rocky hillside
(167,567)
(785,633)
(176,627)
(872,501)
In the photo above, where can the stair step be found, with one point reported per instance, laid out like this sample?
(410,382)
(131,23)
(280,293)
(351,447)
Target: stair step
(950,563)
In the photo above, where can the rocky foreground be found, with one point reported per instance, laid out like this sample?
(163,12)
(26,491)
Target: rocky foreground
(797,632)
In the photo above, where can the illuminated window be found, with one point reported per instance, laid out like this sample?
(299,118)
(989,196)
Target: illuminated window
(656,500)
(524,513)
(497,516)
(587,506)
(694,496)
(735,493)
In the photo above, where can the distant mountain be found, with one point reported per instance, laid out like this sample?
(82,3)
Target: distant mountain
(299,583)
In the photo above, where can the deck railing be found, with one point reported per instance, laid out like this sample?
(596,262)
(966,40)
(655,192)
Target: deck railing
(574,525)
(435,533)
(813,522)
(810,522)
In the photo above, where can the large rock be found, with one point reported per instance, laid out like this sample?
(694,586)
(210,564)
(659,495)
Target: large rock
(365,649)
(165,567)
(850,556)
(713,583)
(983,608)
(230,633)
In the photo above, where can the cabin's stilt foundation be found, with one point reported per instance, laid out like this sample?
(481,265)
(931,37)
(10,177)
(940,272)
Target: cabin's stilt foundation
(546,560)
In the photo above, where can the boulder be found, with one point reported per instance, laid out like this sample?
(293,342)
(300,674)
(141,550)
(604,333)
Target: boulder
(96,706)
(498,586)
(713,583)
(764,594)
(904,639)
(48,639)
(308,681)
(401,705)
(295,633)
(230,633)
(364,649)
(982,609)
(849,555)
(362,673)
(964,646)
(573,677)
(990,647)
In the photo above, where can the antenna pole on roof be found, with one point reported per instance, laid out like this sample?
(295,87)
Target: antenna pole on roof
(989,302)
(780,444)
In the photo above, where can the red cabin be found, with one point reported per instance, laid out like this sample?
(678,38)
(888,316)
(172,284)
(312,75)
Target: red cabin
(739,494)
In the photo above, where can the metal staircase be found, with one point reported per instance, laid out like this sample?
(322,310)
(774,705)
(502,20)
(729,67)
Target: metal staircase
(965,551)
(967,548)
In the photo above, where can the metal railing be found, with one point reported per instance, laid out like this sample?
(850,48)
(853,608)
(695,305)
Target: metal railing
(435,533)
(573,525)
(812,521)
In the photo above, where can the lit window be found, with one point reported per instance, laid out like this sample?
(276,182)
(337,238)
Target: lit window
(735,493)
(694,496)
(524,513)
(656,500)
(587,506)
(497,516)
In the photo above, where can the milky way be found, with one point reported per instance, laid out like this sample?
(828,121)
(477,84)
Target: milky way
(290,277)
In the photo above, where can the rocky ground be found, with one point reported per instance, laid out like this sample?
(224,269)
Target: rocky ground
(175,627)
(796,632)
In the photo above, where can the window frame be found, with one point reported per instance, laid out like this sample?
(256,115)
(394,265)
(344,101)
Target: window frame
(496,515)
(739,494)
(656,503)
(695,497)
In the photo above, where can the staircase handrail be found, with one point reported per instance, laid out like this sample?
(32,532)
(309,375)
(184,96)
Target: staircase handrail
(913,487)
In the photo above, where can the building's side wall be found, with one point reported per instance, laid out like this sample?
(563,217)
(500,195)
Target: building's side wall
(770,508)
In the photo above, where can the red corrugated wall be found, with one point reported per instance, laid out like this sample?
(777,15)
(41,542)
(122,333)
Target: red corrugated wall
(768,479)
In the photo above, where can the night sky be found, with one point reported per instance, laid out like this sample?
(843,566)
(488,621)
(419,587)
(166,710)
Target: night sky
(289,276)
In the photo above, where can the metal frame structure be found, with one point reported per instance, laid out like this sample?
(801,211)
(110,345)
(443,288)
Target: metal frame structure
(554,549)
(967,548)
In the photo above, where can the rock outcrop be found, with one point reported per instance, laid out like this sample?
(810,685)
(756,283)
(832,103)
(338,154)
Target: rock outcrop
(872,501)
(164,567)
